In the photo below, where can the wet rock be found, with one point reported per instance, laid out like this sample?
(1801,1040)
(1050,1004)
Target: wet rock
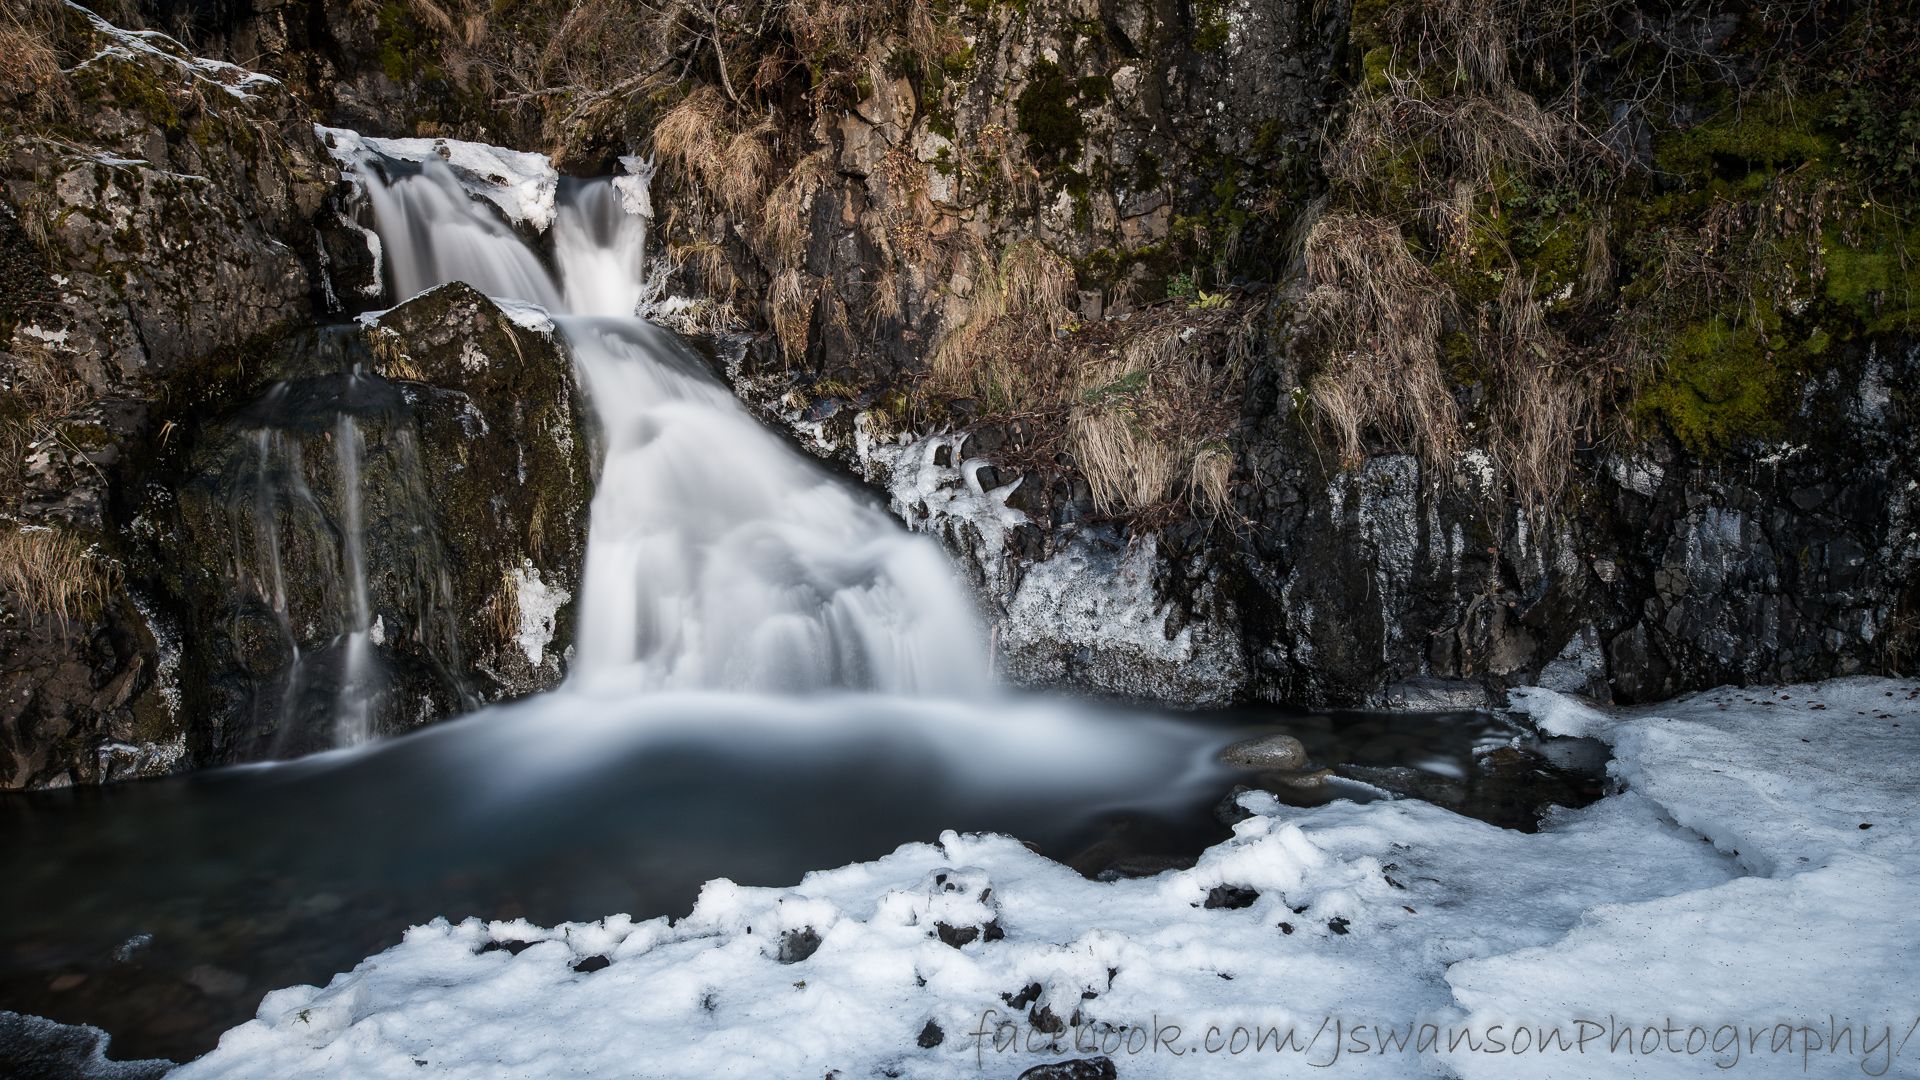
(169,225)
(1296,780)
(408,427)
(1409,782)
(37,1049)
(1266,752)
(1427,694)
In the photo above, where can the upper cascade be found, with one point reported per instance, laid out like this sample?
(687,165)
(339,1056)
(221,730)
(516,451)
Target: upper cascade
(718,557)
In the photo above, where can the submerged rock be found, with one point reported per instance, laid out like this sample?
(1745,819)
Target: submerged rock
(1266,752)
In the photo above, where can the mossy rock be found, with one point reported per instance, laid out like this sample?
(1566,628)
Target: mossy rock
(1721,383)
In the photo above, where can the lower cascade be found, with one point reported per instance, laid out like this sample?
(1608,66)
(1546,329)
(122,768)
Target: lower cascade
(717,556)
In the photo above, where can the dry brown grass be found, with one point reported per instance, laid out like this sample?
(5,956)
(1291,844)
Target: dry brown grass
(52,574)
(29,59)
(1144,405)
(1378,313)
(732,164)
(1209,486)
(784,221)
(1019,297)
(1150,419)
(1454,145)
(1545,397)
(706,263)
(792,301)
(41,388)
(502,611)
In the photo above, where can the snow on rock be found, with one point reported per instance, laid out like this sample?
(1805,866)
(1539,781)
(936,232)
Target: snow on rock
(236,81)
(524,315)
(1391,939)
(525,186)
(1091,615)
(539,605)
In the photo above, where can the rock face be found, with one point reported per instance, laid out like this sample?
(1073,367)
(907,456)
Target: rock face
(150,248)
(198,470)
(419,481)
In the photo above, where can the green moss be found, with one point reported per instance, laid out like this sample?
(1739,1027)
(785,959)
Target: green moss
(956,63)
(1048,115)
(1375,66)
(1721,383)
(1211,28)
(1760,137)
(1877,279)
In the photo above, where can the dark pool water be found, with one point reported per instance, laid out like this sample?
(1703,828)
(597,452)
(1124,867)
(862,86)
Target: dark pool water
(163,910)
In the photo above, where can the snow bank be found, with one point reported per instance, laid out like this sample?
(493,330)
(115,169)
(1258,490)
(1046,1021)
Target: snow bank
(1391,939)
(1814,791)
(525,186)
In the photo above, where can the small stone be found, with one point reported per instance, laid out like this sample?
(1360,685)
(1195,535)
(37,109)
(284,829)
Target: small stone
(1303,780)
(1267,752)
(1231,897)
(592,964)
(797,945)
(63,983)
(931,1036)
(216,981)
(1098,1068)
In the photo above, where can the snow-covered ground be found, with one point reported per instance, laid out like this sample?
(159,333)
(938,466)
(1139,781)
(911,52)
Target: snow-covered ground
(1750,904)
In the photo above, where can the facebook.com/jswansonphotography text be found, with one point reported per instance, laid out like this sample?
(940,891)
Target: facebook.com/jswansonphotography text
(1876,1048)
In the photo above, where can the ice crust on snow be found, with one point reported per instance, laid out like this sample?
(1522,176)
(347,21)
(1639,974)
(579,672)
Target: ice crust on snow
(1635,910)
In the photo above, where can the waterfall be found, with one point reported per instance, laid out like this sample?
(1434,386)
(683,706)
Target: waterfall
(718,556)
(432,233)
(353,717)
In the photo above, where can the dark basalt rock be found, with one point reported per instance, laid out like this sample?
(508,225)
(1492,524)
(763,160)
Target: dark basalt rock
(1095,1068)
(1230,897)
(472,488)
(797,945)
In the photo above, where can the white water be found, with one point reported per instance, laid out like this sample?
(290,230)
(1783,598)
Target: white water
(718,557)
(353,715)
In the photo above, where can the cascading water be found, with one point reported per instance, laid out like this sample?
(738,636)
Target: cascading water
(718,557)
(353,716)
(432,233)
